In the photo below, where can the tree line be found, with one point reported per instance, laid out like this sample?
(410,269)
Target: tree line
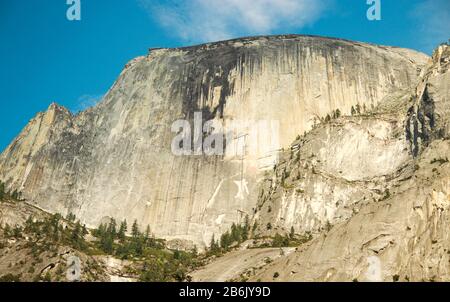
(235,236)
(154,262)
(52,229)
(113,239)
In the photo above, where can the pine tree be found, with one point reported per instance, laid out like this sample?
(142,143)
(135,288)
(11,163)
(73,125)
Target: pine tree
(71,217)
(106,242)
(76,234)
(15,195)
(122,231)
(137,239)
(194,251)
(139,245)
(17,232)
(246,228)
(148,236)
(353,111)
(84,231)
(147,232)
(176,255)
(135,230)
(54,225)
(7,230)
(29,224)
(100,231)
(212,243)
(278,241)
(225,240)
(235,234)
(46,228)
(292,233)
(358,109)
(112,228)
(213,246)
(2,190)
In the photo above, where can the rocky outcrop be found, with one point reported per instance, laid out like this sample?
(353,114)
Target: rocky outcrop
(330,173)
(17,213)
(429,117)
(398,230)
(115,160)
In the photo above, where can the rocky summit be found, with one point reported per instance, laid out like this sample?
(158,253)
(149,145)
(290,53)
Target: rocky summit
(351,152)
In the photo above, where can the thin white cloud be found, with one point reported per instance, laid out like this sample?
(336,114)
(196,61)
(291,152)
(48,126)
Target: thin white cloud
(433,19)
(212,20)
(87,101)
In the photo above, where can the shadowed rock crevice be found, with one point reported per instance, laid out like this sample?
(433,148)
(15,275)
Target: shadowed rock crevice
(428,116)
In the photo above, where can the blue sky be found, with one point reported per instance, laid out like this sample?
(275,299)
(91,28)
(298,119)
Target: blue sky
(46,58)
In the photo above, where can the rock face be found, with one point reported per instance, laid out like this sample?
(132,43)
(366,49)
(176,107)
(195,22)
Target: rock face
(429,117)
(115,160)
(385,215)
(329,174)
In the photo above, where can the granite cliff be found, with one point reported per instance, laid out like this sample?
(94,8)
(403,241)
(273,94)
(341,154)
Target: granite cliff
(115,159)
